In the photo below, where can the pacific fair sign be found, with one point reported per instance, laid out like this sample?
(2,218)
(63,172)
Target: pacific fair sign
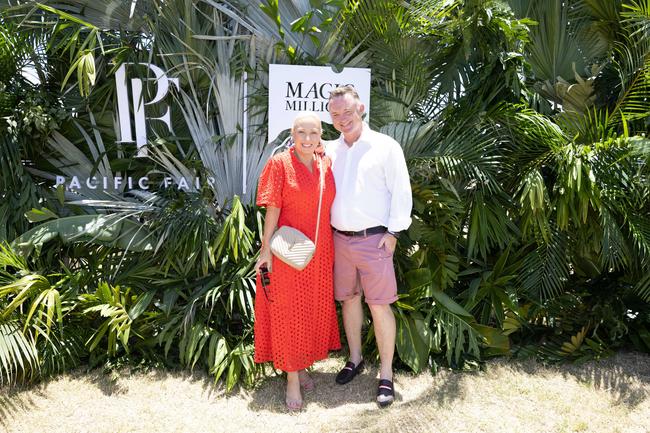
(131,124)
(294,88)
(119,183)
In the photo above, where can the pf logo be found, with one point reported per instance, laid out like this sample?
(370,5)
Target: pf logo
(139,105)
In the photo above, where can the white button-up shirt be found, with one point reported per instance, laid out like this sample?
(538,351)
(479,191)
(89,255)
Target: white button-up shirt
(373,187)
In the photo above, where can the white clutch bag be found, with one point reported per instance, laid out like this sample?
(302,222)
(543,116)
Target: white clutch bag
(291,245)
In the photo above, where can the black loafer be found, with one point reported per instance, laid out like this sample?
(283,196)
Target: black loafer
(348,372)
(385,393)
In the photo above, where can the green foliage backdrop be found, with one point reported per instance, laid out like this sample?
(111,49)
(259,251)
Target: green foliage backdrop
(523,122)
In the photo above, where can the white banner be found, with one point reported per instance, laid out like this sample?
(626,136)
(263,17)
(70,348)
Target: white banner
(294,88)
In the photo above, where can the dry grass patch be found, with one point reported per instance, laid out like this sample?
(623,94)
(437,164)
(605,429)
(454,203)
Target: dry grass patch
(609,396)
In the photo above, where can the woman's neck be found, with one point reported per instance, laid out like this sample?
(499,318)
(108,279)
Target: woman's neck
(305,159)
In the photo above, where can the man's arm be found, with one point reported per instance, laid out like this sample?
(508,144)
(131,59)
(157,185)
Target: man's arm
(398,183)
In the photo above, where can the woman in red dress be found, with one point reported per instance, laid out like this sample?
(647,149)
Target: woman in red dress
(295,317)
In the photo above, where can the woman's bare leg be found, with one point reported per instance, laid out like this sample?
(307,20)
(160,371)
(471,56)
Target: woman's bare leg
(293,396)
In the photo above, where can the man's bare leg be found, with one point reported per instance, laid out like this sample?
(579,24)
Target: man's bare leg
(352,321)
(383,320)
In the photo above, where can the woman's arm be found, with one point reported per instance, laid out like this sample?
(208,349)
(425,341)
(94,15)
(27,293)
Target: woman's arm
(270,224)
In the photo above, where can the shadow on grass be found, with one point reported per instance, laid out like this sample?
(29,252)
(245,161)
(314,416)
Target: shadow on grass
(362,390)
(111,383)
(106,382)
(624,376)
(20,398)
(15,400)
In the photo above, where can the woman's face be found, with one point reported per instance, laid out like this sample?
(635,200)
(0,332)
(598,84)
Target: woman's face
(306,134)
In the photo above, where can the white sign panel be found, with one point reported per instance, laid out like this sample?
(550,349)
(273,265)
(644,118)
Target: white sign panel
(294,88)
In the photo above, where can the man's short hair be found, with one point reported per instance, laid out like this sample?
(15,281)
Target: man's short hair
(344,90)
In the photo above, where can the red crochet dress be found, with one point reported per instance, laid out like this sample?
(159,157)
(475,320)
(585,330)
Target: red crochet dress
(297,324)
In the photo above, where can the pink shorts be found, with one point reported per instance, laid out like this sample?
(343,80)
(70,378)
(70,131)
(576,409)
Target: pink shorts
(360,265)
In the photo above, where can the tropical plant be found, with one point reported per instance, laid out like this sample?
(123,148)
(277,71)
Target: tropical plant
(529,170)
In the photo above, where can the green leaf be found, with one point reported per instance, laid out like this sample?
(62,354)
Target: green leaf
(233,372)
(298,25)
(104,229)
(414,341)
(418,277)
(23,289)
(498,343)
(40,215)
(18,353)
(449,304)
(217,355)
(66,16)
(141,304)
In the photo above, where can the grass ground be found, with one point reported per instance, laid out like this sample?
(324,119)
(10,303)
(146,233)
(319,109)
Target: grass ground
(608,396)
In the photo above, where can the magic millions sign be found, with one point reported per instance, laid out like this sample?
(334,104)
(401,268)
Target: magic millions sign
(294,88)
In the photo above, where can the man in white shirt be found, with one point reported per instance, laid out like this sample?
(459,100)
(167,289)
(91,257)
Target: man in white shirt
(372,205)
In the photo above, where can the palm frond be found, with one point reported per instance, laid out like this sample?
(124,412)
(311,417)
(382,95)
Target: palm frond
(115,306)
(528,139)
(488,224)
(113,229)
(459,335)
(19,356)
(189,225)
(62,350)
(402,66)
(634,66)
(414,137)
(545,270)
(111,14)
(465,155)
(615,253)
(235,238)
(553,49)
(534,202)
(596,24)
(590,126)
(11,260)
(639,229)
(636,15)
(643,287)
(74,161)
(20,291)
(206,59)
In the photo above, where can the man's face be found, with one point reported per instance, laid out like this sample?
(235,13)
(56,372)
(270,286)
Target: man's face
(346,114)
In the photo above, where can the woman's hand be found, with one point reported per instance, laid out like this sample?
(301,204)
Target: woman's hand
(270,224)
(265,259)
